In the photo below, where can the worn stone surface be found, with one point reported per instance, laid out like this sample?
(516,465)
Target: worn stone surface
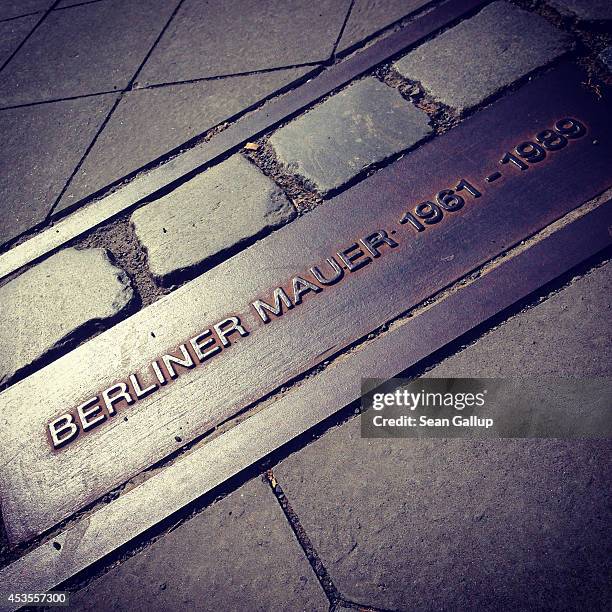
(40,147)
(563,336)
(213,212)
(588,10)
(135,136)
(472,61)
(103,43)
(221,38)
(369,16)
(238,554)
(458,524)
(12,33)
(361,125)
(606,57)
(45,305)
(14,8)
(70,3)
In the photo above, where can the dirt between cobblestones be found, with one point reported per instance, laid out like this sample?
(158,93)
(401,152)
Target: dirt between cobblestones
(591,39)
(118,237)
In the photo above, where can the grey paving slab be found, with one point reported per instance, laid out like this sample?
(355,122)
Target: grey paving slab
(587,10)
(475,59)
(88,49)
(361,125)
(47,304)
(14,8)
(12,33)
(369,16)
(510,524)
(239,554)
(135,135)
(40,147)
(220,38)
(564,336)
(212,213)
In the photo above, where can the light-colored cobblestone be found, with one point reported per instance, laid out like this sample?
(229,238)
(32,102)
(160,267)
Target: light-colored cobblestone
(49,303)
(363,124)
(475,59)
(215,211)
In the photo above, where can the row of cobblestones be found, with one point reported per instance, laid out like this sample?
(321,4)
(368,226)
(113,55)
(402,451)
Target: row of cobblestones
(234,203)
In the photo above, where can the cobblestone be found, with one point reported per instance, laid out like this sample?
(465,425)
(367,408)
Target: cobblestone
(362,125)
(215,211)
(465,65)
(47,304)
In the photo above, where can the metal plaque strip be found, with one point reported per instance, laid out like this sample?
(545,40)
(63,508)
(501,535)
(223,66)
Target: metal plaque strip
(93,537)
(396,238)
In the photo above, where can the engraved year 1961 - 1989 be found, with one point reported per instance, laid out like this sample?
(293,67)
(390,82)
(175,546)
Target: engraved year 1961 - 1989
(524,155)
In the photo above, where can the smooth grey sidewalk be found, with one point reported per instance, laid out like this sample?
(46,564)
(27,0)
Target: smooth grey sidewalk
(239,554)
(459,524)
(230,204)
(147,76)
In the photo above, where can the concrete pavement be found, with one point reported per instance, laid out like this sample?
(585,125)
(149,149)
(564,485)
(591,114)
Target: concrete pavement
(113,68)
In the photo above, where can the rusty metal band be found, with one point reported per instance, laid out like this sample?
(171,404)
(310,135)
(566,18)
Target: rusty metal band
(92,538)
(442,220)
